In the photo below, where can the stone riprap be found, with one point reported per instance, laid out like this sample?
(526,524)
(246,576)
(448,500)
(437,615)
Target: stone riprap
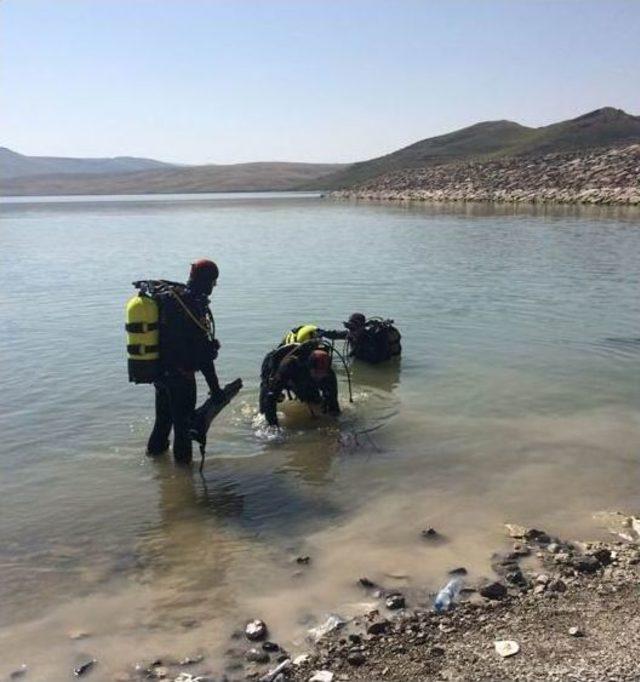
(608,176)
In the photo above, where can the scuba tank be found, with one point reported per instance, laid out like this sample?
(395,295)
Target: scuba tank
(142,324)
(143,337)
(301,334)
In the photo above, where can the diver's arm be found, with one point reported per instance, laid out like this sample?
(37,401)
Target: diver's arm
(208,370)
(333,334)
(273,386)
(270,390)
(268,404)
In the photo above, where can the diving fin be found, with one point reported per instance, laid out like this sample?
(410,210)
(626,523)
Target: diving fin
(209,410)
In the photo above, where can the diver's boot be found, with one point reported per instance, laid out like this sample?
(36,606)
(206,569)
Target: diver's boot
(156,446)
(182,451)
(156,452)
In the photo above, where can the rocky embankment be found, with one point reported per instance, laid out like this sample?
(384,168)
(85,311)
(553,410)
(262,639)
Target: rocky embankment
(610,176)
(557,611)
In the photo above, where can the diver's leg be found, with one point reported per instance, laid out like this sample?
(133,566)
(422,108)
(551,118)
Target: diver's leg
(183,405)
(159,438)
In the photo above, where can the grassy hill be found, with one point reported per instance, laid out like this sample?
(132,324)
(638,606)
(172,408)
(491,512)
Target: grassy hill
(493,139)
(176,180)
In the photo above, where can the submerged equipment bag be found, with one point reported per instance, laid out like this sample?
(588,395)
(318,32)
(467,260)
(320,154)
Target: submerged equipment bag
(143,338)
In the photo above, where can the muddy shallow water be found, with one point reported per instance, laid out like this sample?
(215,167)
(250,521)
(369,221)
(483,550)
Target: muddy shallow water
(516,399)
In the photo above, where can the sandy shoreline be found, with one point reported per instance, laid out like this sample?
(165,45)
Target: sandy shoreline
(572,609)
(604,177)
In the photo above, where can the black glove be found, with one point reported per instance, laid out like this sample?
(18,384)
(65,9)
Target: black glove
(218,394)
(214,347)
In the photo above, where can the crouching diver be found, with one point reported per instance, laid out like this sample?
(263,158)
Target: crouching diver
(374,340)
(187,345)
(301,369)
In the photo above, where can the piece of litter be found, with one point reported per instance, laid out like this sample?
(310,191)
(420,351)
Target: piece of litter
(321,676)
(333,622)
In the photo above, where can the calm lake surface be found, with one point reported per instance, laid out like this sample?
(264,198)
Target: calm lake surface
(517,399)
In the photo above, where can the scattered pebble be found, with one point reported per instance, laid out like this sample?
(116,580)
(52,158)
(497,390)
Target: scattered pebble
(19,672)
(506,647)
(191,660)
(255,630)
(378,627)
(257,656)
(78,634)
(84,667)
(395,601)
(515,531)
(576,632)
(493,590)
(356,658)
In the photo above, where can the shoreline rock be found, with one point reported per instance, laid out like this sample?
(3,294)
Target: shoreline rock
(603,177)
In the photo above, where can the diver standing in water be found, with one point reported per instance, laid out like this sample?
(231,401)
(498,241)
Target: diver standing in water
(301,369)
(187,346)
(171,337)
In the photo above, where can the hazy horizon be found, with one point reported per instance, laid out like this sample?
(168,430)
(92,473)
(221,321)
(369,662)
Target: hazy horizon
(226,83)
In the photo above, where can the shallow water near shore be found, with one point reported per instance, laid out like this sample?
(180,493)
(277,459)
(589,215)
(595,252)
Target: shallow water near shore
(516,399)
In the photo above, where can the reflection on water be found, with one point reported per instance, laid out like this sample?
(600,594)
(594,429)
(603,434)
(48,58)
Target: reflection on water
(516,399)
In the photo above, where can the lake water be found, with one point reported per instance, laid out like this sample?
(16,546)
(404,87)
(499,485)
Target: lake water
(516,399)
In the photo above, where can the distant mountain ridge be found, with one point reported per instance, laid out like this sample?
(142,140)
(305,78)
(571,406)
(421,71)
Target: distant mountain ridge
(14,165)
(604,127)
(242,177)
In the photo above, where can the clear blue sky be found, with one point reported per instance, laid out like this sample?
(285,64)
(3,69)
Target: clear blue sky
(223,81)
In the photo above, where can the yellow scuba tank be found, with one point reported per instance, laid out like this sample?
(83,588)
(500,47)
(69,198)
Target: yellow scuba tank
(143,338)
(301,334)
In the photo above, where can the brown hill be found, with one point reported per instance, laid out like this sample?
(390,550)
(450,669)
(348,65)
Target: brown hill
(248,177)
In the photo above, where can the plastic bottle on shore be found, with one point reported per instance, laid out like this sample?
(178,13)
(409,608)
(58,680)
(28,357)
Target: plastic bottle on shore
(447,595)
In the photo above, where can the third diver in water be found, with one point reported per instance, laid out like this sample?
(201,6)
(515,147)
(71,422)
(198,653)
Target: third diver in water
(374,340)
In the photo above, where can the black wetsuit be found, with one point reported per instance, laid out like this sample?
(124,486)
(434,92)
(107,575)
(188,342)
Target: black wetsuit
(185,348)
(286,369)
